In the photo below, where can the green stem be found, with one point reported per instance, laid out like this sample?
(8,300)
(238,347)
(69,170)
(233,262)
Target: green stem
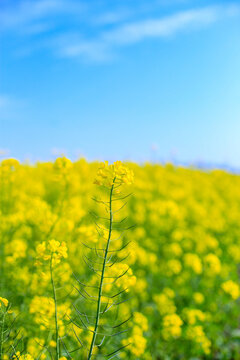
(102,275)
(2,262)
(2,333)
(56,312)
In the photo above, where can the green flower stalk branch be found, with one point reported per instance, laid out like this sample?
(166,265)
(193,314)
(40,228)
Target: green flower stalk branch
(2,325)
(8,333)
(50,253)
(111,178)
(103,272)
(106,261)
(55,311)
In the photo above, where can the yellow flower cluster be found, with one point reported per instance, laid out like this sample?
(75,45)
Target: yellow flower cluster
(172,326)
(36,347)
(165,303)
(231,288)
(193,262)
(197,335)
(194,315)
(44,311)
(3,301)
(62,164)
(137,341)
(52,250)
(198,297)
(15,250)
(184,255)
(19,356)
(123,282)
(213,264)
(9,164)
(117,173)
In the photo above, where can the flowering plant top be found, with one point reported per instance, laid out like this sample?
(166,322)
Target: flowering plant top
(115,173)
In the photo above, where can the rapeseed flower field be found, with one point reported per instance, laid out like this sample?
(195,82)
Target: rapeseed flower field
(177,231)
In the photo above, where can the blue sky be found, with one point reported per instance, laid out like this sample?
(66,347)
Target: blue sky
(122,79)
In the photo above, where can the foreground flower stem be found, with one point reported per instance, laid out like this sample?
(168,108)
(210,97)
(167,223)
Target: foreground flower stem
(102,275)
(56,313)
(1,335)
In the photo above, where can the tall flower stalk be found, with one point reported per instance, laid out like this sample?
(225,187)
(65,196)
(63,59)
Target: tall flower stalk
(3,312)
(103,272)
(55,311)
(52,252)
(110,177)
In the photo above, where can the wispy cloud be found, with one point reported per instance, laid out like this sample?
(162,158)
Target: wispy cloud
(32,14)
(133,32)
(163,27)
(113,17)
(87,31)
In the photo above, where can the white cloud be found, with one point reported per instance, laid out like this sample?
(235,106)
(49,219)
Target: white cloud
(170,25)
(133,32)
(114,17)
(75,46)
(37,28)
(25,13)
(29,18)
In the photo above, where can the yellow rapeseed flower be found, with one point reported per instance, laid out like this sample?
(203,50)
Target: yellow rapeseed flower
(231,288)
(172,326)
(3,301)
(116,172)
